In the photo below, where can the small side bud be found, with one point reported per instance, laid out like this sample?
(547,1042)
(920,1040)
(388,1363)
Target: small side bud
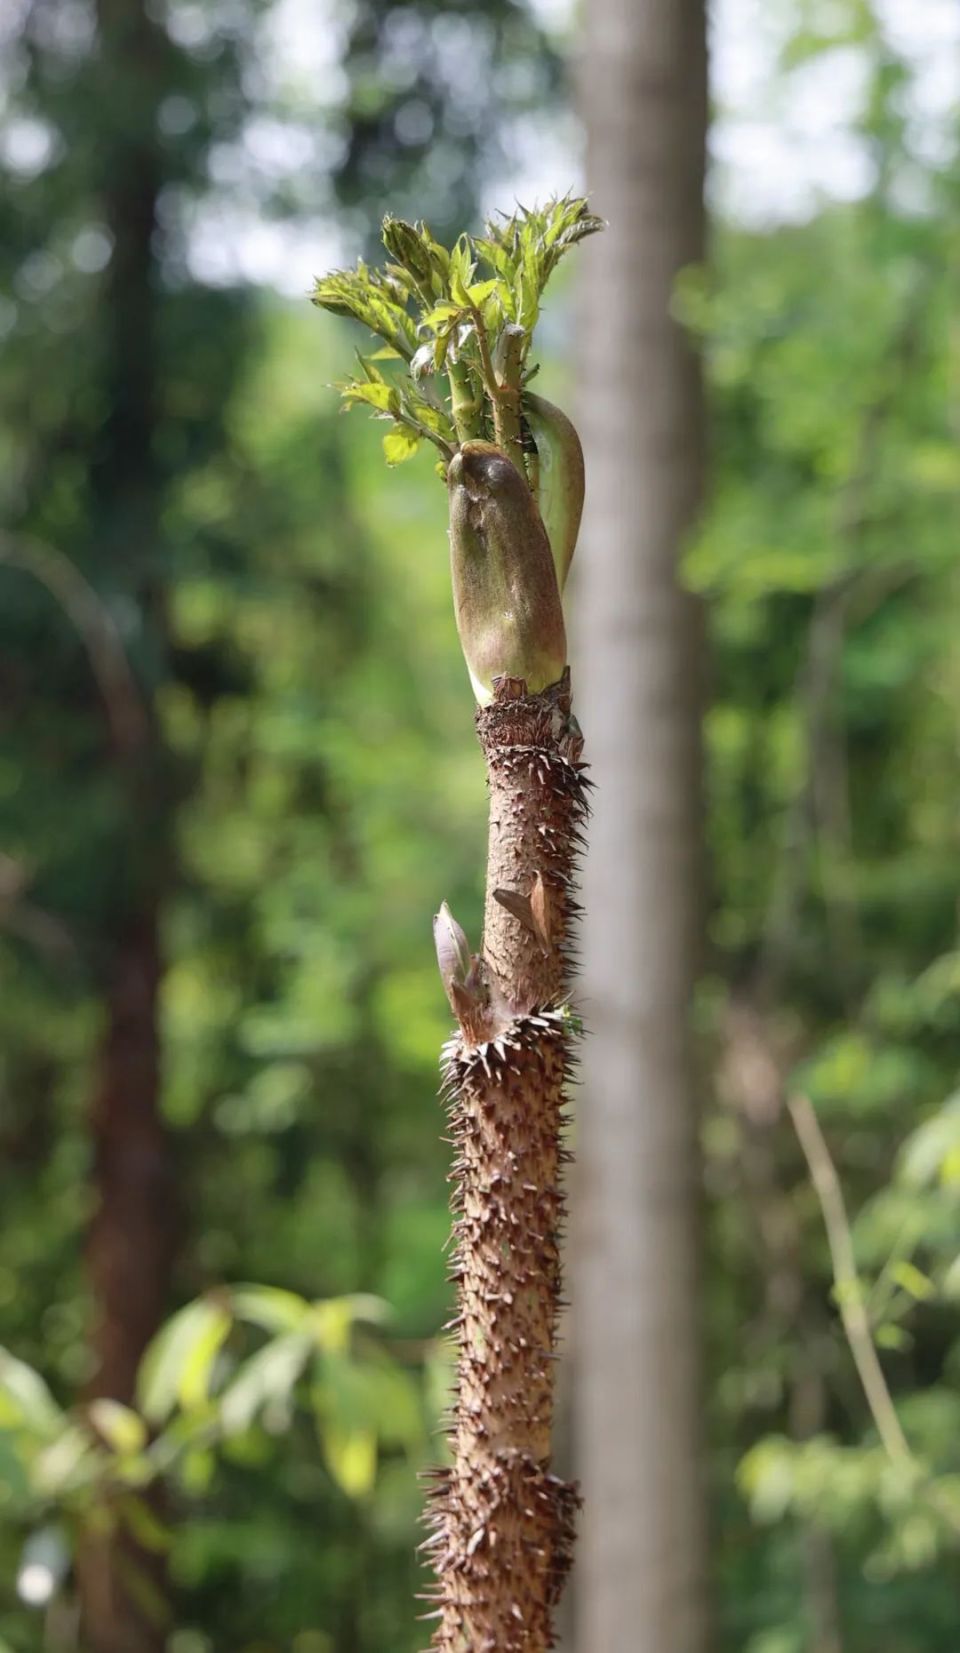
(471,989)
(561,477)
(505,591)
(454,958)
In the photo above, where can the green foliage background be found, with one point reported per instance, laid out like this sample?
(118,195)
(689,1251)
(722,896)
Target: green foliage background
(316,717)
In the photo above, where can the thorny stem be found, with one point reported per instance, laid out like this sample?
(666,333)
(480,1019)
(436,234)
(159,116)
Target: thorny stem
(511,435)
(504,394)
(486,360)
(502,1524)
(466,404)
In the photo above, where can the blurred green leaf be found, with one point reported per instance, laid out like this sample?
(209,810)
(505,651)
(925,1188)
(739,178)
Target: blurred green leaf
(928,1153)
(179,1362)
(352,1458)
(123,1429)
(271,1307)
(268,1375)
(144,1524)
(25,1398)
(913,1281)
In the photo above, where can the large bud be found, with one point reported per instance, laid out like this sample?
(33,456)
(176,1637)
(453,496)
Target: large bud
(505,590)
(561,477)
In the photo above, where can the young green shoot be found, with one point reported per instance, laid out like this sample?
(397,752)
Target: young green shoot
(456,326)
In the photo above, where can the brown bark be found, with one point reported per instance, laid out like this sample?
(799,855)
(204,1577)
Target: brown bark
(122,1585)
(131,1236)
(503,1524)
(128,1261)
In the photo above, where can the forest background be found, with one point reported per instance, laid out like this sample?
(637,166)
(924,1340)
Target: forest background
(237,777)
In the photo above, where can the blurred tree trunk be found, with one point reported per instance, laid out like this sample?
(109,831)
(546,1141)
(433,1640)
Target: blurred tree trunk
(122,1587)
(641,1578)
(130,1248)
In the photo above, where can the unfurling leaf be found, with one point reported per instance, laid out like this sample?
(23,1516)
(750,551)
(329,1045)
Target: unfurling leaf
(410,245)
(374,298)
(399,445)
(380,395)
(445,320)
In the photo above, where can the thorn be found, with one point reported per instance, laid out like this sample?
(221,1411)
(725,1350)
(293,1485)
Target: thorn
(541,911)
(520,907)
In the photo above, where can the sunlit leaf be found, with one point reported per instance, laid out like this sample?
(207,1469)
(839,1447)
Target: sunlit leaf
(25,1398)
(268,1375)
(480,291)
(767,1476)
(889,1336)
(271,1307)
(461,271)
(196,1470)
(178,1364)
(926,1151)
(69,1462)
(400,445)
(352,1458)
(912,1280)
(382,396)
(122,1428)
(441,314)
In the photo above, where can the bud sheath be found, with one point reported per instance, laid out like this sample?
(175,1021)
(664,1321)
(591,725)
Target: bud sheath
(505,591)
(560,478)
